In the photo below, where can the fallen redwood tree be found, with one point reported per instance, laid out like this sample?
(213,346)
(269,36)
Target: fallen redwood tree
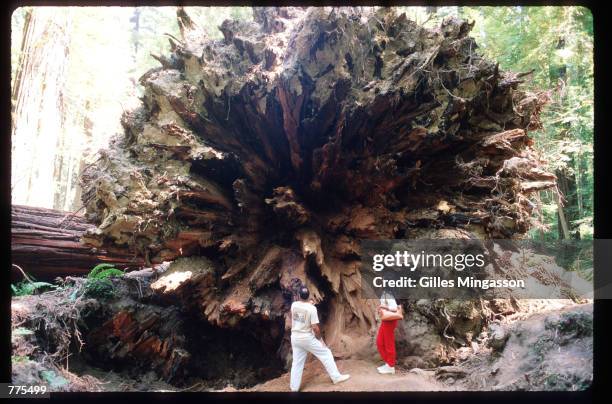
(46,243)
(260,160)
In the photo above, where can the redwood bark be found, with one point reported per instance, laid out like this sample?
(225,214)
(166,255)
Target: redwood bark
(46,244)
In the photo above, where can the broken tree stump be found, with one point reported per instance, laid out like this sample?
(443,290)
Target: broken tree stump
(273,151)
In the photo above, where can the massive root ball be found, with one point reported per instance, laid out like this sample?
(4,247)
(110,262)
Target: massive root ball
(274,150)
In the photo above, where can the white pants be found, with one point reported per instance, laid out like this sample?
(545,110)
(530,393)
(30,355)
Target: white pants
(302,344)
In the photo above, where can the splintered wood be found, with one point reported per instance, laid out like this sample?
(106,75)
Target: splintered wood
(274,150)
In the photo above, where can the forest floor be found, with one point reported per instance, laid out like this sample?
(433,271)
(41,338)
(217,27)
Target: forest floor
(546,346)
(547,350)
(364,377)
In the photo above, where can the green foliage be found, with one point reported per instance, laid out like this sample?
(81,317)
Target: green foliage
(566,382)
(557,44)
(103,271)
(98,282)
(541,346)
(583,263)
(110,273)
(572,325)
(99,288)
(26,287)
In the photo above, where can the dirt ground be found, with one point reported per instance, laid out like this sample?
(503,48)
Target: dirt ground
(549,347)
(364,377)
(551,350)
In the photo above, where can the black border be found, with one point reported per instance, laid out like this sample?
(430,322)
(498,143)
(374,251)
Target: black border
(602,221)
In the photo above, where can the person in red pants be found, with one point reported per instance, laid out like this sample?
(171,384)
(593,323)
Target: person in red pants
(385,340)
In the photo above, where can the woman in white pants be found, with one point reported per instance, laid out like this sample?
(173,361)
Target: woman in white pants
(306,337)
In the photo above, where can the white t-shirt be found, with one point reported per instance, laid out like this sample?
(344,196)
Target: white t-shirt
(303,316)
(387,299)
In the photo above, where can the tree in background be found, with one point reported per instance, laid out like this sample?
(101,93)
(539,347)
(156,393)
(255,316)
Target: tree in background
(75,70)
(557,44)
(38,102)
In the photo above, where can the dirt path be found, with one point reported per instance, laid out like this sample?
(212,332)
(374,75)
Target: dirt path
(364,377)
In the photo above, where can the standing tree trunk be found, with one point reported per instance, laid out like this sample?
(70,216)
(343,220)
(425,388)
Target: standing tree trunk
(561,219)
(37,107)
(86,151)
(135,20)
(566,181)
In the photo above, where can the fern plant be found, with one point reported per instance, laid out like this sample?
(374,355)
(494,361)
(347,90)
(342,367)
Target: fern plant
(29,285)
(103,271)
(98,282)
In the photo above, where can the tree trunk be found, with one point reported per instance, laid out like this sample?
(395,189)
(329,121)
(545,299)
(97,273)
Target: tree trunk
(566,181)
(46,243)
(37,105)
(564,233)
(578,171)
(88,124)
(135,19)
(271,153)
(567,197)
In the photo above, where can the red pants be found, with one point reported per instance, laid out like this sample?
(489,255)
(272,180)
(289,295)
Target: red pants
(385,341)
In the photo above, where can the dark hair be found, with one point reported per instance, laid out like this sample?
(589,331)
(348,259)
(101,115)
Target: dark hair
(304,293)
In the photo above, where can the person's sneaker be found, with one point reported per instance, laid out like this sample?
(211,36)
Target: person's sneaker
(386,370)
(382,367)
(341,378)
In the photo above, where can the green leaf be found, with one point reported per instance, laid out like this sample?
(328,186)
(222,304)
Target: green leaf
(98,268)
(99,288)
(110,273)
(27,288)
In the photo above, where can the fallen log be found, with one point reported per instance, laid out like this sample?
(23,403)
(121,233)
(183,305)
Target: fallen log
(46,243)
